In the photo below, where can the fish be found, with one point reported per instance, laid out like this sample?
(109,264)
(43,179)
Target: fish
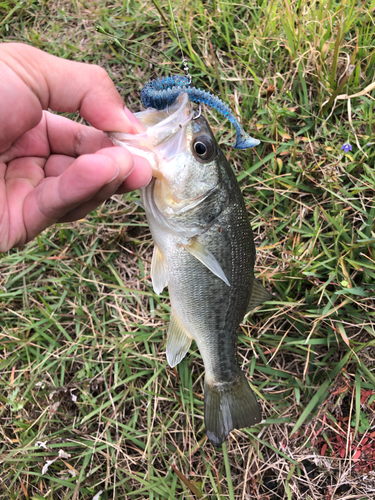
(204,253)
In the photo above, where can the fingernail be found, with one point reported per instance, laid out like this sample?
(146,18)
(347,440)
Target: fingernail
(116,174)
(134,121)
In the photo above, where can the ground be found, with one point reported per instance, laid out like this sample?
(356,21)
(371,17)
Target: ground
(82,357)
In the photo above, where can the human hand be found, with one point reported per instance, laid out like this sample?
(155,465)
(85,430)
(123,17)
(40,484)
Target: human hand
(51,168)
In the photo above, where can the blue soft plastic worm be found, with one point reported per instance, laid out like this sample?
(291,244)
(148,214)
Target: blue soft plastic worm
(163,92)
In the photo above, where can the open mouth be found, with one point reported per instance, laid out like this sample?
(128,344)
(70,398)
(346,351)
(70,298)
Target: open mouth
(164,133)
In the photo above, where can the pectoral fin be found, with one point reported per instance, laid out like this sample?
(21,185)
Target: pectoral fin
(206,257)
(258,295)
(178,342)
(158,271)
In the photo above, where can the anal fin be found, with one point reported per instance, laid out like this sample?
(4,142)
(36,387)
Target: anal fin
(207,258)
(178,342)
(258,295)
(159,275)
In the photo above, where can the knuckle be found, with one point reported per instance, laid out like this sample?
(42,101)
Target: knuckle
(79,141)
(100,74)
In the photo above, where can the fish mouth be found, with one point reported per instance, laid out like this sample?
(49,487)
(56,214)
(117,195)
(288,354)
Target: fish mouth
(164,134)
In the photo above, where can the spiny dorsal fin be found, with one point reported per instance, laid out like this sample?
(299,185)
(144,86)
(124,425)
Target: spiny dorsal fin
(258,295)
(158,271)
(206,257)
(178,342)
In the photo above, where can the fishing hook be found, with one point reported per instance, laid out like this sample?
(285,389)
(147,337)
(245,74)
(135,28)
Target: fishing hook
(199,114)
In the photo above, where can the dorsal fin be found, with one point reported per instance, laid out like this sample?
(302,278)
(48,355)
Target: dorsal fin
(178,342)
(258,295)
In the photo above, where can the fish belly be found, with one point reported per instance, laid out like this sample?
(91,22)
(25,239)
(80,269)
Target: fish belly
(209,309)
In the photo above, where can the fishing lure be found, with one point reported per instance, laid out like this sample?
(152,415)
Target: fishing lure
(163,92)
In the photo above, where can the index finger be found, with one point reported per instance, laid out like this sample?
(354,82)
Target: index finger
(61,85)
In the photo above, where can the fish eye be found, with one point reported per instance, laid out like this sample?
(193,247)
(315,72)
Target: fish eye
(203,147)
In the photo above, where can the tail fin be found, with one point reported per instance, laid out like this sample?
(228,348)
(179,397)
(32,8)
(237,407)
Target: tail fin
(227,407)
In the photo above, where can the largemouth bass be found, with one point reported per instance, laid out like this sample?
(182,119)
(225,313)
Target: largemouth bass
(204,252)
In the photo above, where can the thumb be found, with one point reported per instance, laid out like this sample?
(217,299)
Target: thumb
(67,86)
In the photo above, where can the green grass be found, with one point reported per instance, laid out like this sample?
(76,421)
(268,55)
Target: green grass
(78,315)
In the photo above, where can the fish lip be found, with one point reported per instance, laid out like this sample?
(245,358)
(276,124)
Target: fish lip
(156,133)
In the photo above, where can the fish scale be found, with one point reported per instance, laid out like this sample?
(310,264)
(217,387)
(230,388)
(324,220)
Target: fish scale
(208,310)
(204,252)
